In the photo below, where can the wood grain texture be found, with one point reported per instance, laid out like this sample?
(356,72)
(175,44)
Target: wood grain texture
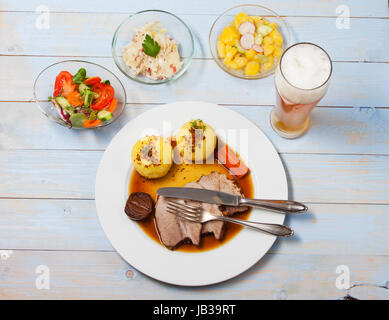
(340,167)
(312,177)
(347,130)
(93,35)
(34,224)
(51,225)
(104,275)
(358,8)
(352,84)
(27,173)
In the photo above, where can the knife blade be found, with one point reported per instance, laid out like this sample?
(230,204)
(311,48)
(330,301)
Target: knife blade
(202,195)
(222,198)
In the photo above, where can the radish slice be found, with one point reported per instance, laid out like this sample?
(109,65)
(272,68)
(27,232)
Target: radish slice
(247,41)
(257,48)
(247,27)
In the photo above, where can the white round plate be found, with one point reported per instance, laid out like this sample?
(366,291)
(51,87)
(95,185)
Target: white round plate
(188,268)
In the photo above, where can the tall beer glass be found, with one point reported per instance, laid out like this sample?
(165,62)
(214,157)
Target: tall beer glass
(301,79)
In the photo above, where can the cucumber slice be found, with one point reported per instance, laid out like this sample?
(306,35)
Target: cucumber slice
(63,102)
(258,39)
(77,119)
(88,98)
(264,30)
(239,47)
(104,115)
(69,110)
(82,88)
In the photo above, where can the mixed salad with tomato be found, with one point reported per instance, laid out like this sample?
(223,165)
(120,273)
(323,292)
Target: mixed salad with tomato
(83,102)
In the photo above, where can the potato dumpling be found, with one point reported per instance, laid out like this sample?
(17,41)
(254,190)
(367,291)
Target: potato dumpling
(196,141)
(152,157)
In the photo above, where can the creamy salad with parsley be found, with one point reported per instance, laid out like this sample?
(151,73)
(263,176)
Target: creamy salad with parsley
(153,53)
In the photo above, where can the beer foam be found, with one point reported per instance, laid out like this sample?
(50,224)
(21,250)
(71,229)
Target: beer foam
(304,67)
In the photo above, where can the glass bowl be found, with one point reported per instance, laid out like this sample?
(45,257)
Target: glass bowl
(227,17)
(175,27)
(44,87)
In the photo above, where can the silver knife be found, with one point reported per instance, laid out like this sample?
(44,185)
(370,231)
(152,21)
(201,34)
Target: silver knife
(223,198)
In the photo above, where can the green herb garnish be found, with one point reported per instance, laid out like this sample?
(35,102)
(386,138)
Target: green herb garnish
(197,124)
(80,76)
(106,82)
(150,46)
(93,115)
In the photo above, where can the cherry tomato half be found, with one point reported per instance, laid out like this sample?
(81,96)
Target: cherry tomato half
(63,82)
(106,94)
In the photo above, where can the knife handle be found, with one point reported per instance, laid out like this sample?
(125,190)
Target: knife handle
(283,206)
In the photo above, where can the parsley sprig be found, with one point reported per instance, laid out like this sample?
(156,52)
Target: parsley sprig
(150,46)
(197,124)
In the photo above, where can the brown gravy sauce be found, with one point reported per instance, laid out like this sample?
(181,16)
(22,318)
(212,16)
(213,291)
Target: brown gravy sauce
(179,176)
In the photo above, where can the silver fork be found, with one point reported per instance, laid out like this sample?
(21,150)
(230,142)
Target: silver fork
(199,215)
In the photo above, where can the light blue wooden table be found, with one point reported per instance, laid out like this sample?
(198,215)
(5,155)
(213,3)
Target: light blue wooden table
(340,168)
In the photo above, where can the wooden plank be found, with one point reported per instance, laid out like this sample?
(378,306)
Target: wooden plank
(358,8)
(352,84)
(93,35)
(341,229)
(51,225)
(71,174)
(337,178)
(304,267)
(347,130)
(33,173)
(104,275)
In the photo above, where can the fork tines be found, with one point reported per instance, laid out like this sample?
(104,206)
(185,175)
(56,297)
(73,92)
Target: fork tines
(185,211)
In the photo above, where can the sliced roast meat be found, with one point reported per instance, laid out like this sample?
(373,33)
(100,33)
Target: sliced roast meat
(212,182)
(168,228)
(230,210)
(173,230)
(219,182)
(214,227)
(228,186)
(191,230)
